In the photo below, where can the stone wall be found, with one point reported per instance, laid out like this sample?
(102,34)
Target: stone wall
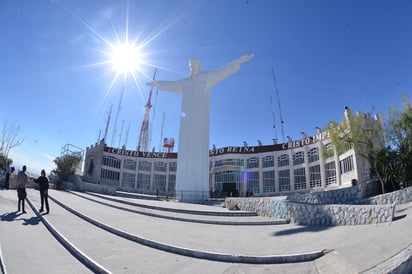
(316,214)
(354,195)
(347,195)
(344,206)
(102,189)
(398,197)
(76,183)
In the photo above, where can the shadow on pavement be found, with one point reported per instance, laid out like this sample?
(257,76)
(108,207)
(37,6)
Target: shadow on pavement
(301,229)
(32,221)
(11,216)
(400,217)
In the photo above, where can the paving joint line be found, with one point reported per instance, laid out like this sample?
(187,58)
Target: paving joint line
(215,222)
(77,253)
(223,257)
(212,213)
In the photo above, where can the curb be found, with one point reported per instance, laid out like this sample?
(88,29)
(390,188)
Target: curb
(269,222)
(399,263)
(82,257)
(2,264)
(229,258)
(212,213)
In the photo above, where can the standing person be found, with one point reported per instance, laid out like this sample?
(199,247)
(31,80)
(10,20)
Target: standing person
(22,181)
(44,188)
(8,172)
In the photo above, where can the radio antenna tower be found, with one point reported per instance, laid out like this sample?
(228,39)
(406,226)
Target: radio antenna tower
(109,114)
(161,132)
(153,116)
(118,110)
(121,133)
(126,136)
(272,108)
(278,99)
(143,142)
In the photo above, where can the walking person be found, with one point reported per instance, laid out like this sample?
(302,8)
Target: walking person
(44,189)
(22,181)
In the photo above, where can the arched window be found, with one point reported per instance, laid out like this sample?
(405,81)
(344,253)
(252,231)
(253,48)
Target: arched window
(172,166)
(111,161)
(252,162)
(129,164)
(160,166)
(328,148)
(145,166)
(268,161)
(298,158)
(313,155)
(283,160)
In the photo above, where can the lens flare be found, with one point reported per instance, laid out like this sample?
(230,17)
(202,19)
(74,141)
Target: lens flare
(126,58)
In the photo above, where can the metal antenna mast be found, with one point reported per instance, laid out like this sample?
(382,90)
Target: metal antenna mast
(154,111)
(107,123)
(118,110)
(126,136)
(274,119)
(278,99)
(143,142)
(161,132)
(120,134)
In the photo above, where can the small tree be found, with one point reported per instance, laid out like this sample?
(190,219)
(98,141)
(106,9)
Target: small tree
(66,165)
(387,167)
(399,135)
(361,133)
(9,138)
(3,162)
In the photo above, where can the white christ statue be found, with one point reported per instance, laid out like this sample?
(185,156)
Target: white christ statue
(192,178)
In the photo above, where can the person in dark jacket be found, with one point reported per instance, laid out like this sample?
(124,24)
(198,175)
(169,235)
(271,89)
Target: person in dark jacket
(44,189)
(9,171)
(22,180)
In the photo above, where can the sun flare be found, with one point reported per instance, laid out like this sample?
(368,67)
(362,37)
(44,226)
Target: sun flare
(125,52)
(126,59)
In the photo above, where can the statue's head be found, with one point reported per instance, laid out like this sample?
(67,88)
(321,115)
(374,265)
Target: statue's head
(195,65)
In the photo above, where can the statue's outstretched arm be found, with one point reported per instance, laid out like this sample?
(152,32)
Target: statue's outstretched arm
(245,58)
(224,72)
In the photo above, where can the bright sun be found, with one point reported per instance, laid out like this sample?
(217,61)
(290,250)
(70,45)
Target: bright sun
(126,58)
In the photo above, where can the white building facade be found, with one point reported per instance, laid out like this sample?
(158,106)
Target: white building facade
(310,163)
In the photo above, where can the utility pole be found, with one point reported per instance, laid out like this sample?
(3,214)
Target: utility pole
(143,142)
(278,99)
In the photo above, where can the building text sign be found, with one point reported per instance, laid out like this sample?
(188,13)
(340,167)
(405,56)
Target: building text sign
(226,150)
(277,147)
(143,154)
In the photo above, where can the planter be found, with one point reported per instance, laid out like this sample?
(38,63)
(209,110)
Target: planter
(59,185)
(232,206)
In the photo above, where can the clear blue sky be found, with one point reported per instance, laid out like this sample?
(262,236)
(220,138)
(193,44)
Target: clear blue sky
(326,54)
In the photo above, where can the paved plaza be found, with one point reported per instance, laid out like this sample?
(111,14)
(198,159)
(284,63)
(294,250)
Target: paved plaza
(88,232)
